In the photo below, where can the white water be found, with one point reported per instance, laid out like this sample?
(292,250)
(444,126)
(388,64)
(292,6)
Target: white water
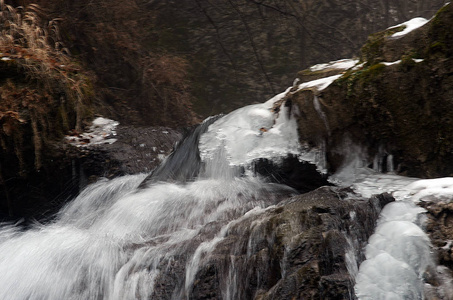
(119,241)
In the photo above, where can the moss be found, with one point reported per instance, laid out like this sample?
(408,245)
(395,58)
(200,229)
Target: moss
(373,71)
(436,48)
(371,52)
(440,32)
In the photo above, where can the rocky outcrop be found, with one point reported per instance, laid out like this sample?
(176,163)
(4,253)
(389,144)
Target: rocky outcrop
(306,247)
(439,226)
(394,106)
(398,102)
(68,168)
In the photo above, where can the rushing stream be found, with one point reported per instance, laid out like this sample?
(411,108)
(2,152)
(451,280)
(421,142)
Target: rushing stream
(147,236)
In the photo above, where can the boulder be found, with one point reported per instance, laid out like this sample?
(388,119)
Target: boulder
(306,247)
(397,102)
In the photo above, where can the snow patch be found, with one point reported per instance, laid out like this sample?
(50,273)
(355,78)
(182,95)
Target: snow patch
(391,63)
(318,84)
(434,189)
(342,64)
(100,132)
(409,26)
(417,60)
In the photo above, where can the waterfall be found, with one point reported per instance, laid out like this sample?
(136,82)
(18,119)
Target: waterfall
(150,236)
(121,239)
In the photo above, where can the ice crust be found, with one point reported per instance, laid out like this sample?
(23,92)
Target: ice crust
(267,130)
(399,252)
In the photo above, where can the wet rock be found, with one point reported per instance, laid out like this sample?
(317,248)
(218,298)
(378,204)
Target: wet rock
(300,175)
(68,169)
(403,109)
(300,249)
(439,226)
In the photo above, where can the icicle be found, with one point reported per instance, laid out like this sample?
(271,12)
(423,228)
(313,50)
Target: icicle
(322,115)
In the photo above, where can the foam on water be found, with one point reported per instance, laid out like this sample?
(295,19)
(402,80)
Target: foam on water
(114,240)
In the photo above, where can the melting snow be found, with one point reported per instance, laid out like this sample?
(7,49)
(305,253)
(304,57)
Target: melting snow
(409,26)
(100,132)
(318,84)
(343,64)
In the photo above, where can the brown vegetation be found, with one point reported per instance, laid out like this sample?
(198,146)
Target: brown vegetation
(39,81)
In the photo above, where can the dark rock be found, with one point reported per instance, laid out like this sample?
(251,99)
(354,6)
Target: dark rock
(300,175)
(403,109)
(296,250)
(439,227)
(68,169)
(184,163)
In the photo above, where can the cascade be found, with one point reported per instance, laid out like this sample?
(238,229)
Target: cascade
(210,211)
(124,238)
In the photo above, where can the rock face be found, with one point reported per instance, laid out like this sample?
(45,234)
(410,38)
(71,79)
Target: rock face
(306,247)
(399,102)
(68,169)
(440,228)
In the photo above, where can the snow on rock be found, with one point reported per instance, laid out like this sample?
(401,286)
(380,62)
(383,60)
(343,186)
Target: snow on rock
(343,64)
(409,26)
(391,63)
(100,132)
(369,182)
(417,60)
(440,189)
(318,84)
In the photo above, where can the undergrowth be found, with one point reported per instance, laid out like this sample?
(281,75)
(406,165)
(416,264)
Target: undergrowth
(43,91)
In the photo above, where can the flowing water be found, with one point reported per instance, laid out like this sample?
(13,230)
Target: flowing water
(118,238)
(146,236)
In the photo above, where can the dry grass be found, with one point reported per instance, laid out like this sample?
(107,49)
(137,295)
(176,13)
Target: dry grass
(49,80)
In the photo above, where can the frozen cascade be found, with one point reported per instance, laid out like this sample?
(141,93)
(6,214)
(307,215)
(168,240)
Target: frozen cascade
(399,254)
(321,114)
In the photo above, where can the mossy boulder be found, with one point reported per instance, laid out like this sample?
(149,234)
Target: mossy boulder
(400,101)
